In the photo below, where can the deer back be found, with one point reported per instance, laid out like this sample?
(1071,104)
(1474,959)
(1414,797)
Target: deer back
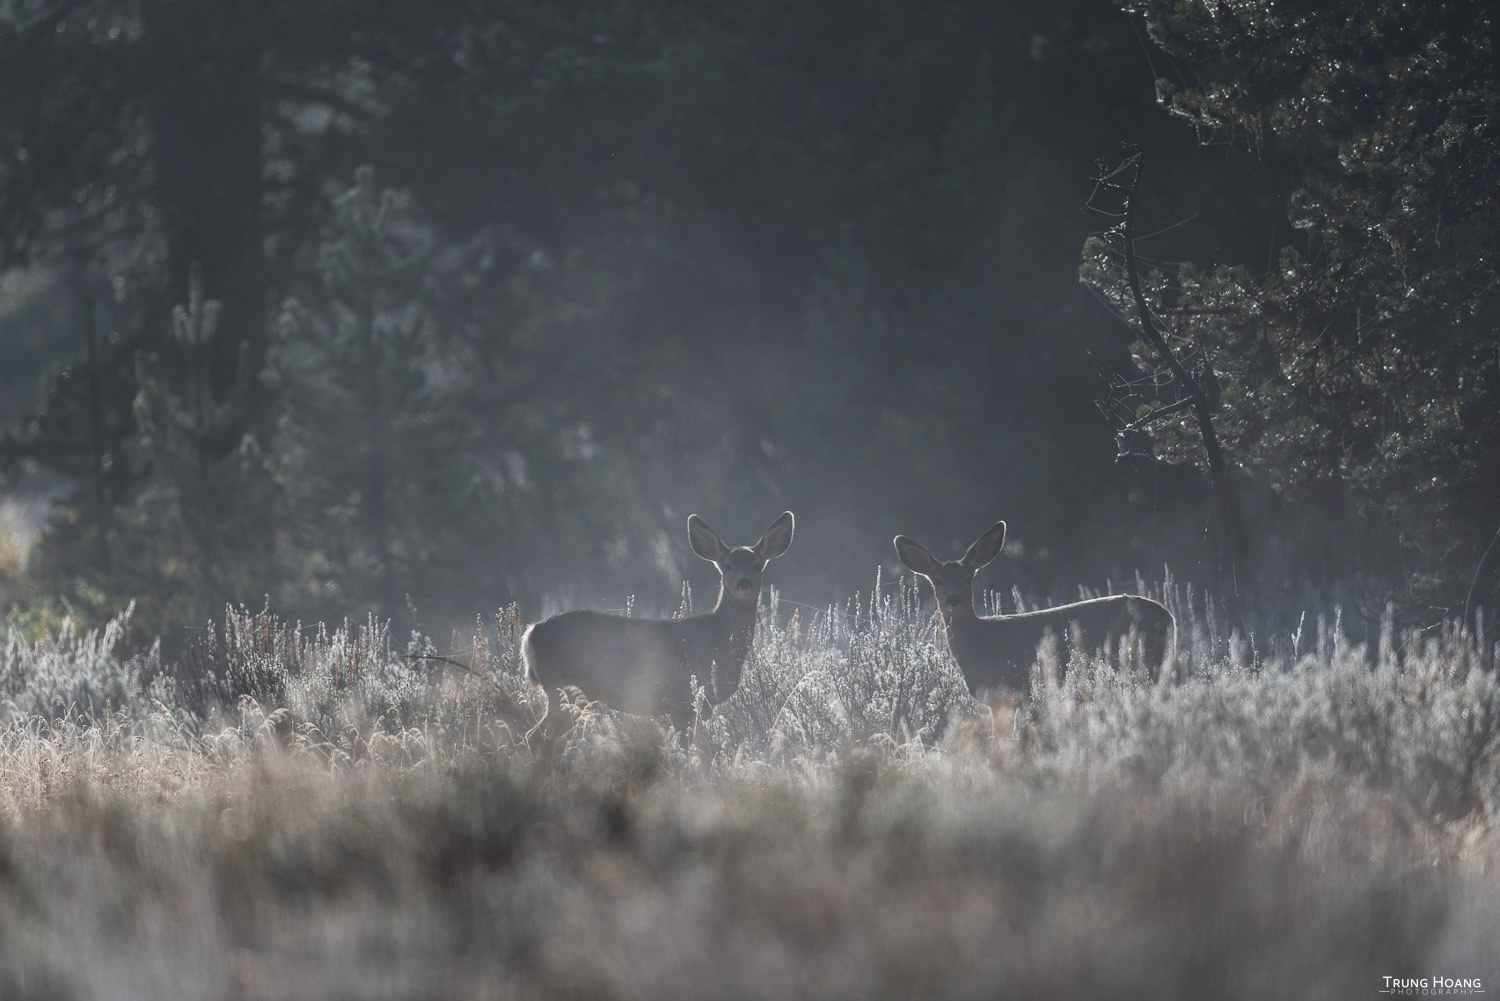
(640,666)
(999,650)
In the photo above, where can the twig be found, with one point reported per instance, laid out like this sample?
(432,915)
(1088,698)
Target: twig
(1480,589)
(1196,398)
(1159,412)
(467,668)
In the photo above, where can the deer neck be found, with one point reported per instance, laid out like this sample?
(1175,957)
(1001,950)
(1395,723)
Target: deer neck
(960,621)
(735,616)
(735,621)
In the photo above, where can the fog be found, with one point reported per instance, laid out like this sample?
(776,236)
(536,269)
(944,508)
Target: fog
(505,295)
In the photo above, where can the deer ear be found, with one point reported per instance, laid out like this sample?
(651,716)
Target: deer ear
(986,547)
(777,538)
(705,541)
(914,556)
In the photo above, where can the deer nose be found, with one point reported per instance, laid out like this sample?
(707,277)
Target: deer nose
(743,583)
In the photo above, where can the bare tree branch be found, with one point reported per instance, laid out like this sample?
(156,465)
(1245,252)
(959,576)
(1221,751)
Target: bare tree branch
(1226,533)
(1158,414)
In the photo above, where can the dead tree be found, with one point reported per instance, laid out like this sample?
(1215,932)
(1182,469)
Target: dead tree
(1123,181)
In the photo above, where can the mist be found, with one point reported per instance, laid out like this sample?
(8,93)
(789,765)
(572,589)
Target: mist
(500,298)
(354,357)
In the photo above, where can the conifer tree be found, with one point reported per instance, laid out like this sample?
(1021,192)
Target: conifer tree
(1357,367)
(365,437)
(197,486)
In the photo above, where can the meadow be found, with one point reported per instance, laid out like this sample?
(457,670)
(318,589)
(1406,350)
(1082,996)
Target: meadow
(321,812)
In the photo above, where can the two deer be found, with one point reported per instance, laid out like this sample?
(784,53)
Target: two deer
(643,666)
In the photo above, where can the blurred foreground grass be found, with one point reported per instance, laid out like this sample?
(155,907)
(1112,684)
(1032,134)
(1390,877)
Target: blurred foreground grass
(315,814)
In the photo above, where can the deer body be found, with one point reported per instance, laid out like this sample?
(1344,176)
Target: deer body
(998,651)
(643,666)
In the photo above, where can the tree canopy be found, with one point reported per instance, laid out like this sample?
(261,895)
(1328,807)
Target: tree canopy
(1358,363)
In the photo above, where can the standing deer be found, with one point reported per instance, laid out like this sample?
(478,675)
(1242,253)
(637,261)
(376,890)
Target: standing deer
(643,666)
(995,651)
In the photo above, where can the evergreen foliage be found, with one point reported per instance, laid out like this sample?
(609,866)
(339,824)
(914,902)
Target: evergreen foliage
(180,420)
(366,441)
(196,526)
(1356,368)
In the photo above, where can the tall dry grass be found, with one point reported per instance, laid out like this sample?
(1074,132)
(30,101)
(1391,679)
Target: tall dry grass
(293,813)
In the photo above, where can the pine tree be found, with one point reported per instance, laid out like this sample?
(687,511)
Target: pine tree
(197,485)
(366,440)
(1357,370)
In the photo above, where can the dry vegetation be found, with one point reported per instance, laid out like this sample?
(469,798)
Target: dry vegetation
(299,815)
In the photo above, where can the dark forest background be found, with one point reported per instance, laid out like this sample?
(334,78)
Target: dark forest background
(370,306)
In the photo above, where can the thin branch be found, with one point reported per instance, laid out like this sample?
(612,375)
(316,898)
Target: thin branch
(1168,229)
(1226,535)
(467,668)
(1485,576)
(1132,275)
(1159,412)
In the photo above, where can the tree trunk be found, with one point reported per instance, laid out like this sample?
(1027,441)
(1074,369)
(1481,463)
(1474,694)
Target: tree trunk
(1225,505)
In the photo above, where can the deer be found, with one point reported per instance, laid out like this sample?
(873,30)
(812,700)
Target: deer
(998,651)
(643,666)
